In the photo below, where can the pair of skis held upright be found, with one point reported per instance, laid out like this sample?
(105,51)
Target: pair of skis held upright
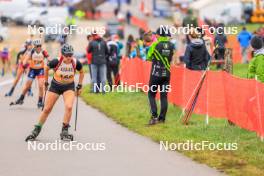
(188,110)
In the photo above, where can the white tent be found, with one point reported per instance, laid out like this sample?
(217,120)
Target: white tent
(201,4)
(222,11)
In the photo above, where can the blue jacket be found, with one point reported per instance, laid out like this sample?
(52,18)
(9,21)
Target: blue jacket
(244,38)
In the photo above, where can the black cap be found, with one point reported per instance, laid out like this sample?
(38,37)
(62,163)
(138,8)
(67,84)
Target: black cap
(256,42)
(163,31)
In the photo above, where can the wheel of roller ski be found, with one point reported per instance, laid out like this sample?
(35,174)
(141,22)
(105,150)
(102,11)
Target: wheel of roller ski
(29,138)
(71,136)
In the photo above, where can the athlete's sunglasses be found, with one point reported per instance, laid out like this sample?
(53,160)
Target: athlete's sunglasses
(38,46)
(68,55)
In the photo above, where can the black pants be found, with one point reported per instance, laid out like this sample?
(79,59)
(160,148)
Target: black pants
(111,70)
(59,88)
(162,83)
(220,55)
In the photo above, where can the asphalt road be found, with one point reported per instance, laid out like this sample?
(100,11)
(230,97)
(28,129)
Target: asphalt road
(126,153)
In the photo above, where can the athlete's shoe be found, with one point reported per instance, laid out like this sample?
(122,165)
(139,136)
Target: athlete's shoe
(40,104)
(10,93)
(19,102)
(34,133)
(64,135)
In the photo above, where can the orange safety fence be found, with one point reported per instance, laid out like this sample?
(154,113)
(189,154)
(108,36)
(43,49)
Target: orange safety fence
(139,23)
(222,95)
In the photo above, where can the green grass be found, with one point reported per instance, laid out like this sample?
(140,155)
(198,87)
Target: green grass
(250,27)
(132,111)
(240,70)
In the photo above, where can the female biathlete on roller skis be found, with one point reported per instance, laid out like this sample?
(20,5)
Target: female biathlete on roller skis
(5,58)
(62,84)
(36,59)
(21,69)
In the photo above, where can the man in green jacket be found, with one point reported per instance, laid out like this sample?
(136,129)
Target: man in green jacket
(160,53)
(256,65)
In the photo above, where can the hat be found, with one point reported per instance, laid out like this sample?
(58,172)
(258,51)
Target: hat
(256,42)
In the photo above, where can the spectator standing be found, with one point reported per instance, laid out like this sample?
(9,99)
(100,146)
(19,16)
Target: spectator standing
(128,17)
(220,42)
(112,61)
(256,65)
(196,56)
(244,38)
(129,43)
(189,21)
(98,48)
(89,55)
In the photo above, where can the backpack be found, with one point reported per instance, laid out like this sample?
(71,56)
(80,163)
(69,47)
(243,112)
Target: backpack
(74,61)
(113,59)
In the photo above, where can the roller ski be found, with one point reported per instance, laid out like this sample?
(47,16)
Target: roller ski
(34,133)
(65,136)
(20,101)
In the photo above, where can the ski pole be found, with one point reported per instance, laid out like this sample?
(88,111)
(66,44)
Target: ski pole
(45,93)
(46,84)
(79,86)
(76,112)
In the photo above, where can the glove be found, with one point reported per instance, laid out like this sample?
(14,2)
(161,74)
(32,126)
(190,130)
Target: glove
(79,86)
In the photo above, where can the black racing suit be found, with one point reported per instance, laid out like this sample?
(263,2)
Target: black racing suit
(161,54)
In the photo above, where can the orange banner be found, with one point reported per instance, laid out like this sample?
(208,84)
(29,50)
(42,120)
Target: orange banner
(222,95)
(139,23)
